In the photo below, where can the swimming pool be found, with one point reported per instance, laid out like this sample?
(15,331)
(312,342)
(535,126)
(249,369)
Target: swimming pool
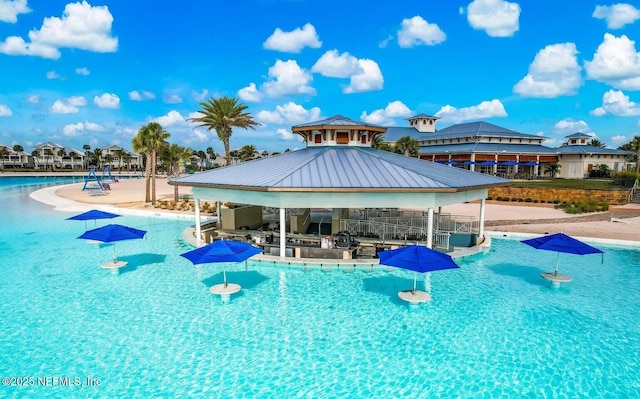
(493,329)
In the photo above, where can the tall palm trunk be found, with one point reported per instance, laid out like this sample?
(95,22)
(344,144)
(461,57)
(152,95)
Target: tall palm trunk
(147,178)
(227,151)
(153,177)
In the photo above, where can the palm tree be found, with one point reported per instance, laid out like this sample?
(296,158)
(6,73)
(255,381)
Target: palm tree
(222,115)
(408,146)
(633,145)
(139,145)
(48,152)
(108,160)
(4,152)
(202,156)
(247,153)
(17,149)
(61,153)
(152,138)
(126,158)
(211,153)
(233,156)
(173,158)
(74,155)
(97,157)
(34,154)
(87,153)
(553,169)
(119,153)
(597,143)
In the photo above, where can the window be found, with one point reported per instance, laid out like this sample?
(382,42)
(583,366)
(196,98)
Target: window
(342,138)
(363,139)
(317,138)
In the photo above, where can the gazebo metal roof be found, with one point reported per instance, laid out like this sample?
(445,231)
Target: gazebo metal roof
(335,176)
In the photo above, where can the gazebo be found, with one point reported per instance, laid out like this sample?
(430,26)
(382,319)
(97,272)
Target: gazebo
(340,170)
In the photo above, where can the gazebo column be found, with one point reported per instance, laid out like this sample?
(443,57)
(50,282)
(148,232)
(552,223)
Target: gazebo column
(283,232)
(219,222)
(198,228)
(481,222)
(472,167)
(430,228)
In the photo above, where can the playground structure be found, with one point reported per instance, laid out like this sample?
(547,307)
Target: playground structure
(97,185)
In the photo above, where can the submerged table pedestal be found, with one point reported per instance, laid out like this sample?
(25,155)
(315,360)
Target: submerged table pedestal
(225,291)
(114,265)
(414,297)
(556,278)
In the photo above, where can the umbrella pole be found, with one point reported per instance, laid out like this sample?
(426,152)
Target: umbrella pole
(415,278)
(224,276)
(555,273)
(114,253)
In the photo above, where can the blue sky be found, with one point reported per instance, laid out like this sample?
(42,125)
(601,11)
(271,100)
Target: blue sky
(94,72)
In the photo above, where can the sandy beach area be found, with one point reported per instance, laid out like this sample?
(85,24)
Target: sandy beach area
(619,223)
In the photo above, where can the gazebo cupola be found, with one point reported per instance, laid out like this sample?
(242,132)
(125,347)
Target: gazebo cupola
(578,139)
(423,123)
(338,131)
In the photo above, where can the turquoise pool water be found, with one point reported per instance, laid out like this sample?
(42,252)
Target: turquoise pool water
(493,329)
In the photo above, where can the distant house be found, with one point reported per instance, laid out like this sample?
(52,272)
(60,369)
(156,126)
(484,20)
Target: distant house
(130,160)
(55,156)
(487,148)
(14,159)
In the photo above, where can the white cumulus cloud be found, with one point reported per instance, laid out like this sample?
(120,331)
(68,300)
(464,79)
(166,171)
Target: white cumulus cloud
(171,99)
(10,9)
(250,93)
(554,72)
(69,105)
(384,116)
(287,78)
(294,41)
(141,95)
(33,99)
(619,140)
(107,100)
(171,118)
(199,96)
(616,62)
(486,109)
(289,114)
(285,134)
(81,26)
(5,111)
(83,71)
(76,129)
(498,18)
(364,74)
(417,31)
(617,15)
(53,75)
(615,102)
(569,126)
(332,64)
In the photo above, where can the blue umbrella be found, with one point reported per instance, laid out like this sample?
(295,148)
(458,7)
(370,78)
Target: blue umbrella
(222,251)
(113,233)
(93,215)
(561,242)
(509,163)
(418,258)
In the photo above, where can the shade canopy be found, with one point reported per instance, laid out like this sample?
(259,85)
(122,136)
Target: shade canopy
(530,163)
(509,163)
(222,251)
(487,163)
(93,215)
(417,258)
(561,242)
(112,233)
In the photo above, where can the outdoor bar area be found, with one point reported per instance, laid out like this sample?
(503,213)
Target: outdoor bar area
(362,234)
(339,198)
